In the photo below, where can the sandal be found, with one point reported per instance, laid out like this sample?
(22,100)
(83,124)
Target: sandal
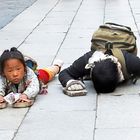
(23,104)
(73,93)
(3,105)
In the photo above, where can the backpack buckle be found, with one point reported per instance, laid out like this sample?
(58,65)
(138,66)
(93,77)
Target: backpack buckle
(108,45)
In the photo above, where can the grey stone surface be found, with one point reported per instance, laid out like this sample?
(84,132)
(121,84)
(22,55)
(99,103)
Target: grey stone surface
(57,125)
(11,8)
(118,111)
(117,134)
(11,118)
(63,29)
(7,134)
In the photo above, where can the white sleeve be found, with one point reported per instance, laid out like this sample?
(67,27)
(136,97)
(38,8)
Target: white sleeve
(2,86)
(33,84)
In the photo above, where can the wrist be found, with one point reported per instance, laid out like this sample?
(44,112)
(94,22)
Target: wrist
(24,95)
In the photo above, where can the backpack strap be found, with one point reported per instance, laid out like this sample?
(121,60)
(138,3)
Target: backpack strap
(118,54)
(119,25)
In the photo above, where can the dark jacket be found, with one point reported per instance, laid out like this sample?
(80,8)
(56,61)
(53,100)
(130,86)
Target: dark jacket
(77,69)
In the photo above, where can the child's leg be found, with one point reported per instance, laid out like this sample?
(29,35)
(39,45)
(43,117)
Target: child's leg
(47,74)
(52,71)
(55,68)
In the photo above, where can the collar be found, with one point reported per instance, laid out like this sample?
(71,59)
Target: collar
(100,56)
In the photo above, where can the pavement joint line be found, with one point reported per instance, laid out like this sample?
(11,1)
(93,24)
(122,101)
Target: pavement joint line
(104,11)
(117,128)
(15,133)
(68,29)
(39,23)
(94,128)
(133,16)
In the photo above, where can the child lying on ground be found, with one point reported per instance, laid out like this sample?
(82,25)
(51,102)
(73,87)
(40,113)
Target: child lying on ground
(18,82)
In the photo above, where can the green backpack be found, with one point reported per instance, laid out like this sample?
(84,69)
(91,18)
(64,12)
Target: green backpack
(115,37)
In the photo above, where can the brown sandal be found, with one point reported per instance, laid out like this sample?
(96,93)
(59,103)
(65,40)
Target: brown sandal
(23,104)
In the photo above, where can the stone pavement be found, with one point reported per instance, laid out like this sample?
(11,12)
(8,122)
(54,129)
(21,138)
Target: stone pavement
(62,29)
(9,9)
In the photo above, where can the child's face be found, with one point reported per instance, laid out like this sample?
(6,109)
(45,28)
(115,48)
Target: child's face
(14,70)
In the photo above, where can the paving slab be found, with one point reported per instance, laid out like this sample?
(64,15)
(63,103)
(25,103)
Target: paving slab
(16,32)
(118,111)
(57,125)
(10,9)
(11,119)
(55,100)
(117,134)
(7,134)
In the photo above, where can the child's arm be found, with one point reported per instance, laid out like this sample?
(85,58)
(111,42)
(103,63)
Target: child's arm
(32,82)
(2,86)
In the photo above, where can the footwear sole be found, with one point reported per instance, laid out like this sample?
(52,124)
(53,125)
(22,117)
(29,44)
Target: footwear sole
(75,93)
(23,104)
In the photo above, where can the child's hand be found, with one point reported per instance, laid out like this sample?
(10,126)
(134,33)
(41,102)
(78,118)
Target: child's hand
(1,99)
(23,97)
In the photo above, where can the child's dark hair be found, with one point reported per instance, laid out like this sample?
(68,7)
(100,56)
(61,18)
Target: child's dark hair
(105,76)
(11,54)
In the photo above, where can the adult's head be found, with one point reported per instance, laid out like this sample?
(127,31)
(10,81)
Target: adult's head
(105,76)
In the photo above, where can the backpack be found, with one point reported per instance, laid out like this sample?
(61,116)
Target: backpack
(115,37)
(30,62)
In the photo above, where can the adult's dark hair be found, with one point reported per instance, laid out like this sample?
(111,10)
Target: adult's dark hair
(13,53)
(105,76)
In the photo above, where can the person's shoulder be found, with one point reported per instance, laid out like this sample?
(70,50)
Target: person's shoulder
(29,71)
(2,78)
(89,53)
